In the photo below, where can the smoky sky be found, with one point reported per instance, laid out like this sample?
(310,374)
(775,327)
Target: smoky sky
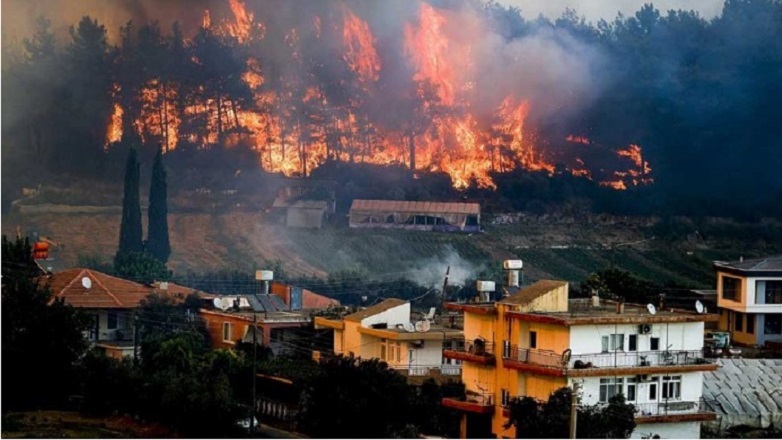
(594,10)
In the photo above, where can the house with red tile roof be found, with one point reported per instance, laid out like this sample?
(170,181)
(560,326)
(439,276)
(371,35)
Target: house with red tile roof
(112,303)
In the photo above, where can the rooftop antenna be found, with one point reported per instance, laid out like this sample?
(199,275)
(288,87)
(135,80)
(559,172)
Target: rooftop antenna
(86,282)
(651,308)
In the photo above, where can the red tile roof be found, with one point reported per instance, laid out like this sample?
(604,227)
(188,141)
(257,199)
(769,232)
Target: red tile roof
(106,292)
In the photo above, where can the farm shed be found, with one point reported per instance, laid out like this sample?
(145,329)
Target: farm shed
(423,216)
(306,214)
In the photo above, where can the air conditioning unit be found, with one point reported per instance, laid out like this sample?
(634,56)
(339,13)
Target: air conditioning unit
(645,329)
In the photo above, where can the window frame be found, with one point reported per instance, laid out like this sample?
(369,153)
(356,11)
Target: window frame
(112,318)
(227,325)
(735,291)
(533,339)
(610,387)
(653,392)
(632,384)
(750,323)
(654,343)
(632,343)
(738,322)
(672,387)
(777,317)
(770,294)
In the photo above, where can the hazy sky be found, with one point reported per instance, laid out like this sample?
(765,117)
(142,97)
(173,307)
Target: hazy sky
(594,10)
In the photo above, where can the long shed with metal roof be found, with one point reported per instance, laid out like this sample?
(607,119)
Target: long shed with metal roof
(425,216)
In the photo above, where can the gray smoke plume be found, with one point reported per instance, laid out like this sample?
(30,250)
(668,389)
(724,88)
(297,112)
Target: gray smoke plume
(431,272)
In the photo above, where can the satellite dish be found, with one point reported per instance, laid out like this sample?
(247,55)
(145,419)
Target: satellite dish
(699,307)
(409,327)
(651,308)
(425,326)
(86,282)
(419,326)
(227,303)
(218,303)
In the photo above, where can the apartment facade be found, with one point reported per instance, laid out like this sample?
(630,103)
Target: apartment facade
(537,340)
(749,296)
(385,331)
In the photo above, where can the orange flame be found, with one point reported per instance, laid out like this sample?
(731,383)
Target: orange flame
(360,51)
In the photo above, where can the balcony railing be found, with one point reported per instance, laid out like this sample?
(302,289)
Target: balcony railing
(477,347)
(671,407)
(426,370)
(481,398)
(638,359)
(619,359)
(451,370)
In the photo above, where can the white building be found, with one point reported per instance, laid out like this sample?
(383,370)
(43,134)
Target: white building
(385,331)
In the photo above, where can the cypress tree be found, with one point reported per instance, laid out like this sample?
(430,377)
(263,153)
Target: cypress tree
(130,234)
(157,237)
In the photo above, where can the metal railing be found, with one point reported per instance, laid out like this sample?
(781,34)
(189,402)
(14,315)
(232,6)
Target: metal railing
(450,370)
(638,359)
(481,398)
(671,407)
(478,347)
(618,359)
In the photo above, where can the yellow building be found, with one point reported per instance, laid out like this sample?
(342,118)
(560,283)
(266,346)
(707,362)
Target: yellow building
(385,331)
(537,340)
(749,295)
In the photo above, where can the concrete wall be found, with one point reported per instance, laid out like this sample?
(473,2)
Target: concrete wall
(123,330)
(691,388)
(668,430)
(587,339)
(397,315)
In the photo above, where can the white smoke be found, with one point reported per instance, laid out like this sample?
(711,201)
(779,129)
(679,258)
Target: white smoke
(431,272)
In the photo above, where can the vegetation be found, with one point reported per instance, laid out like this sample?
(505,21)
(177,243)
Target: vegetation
(157,237)
(551,419)
(130,233)
(41,342)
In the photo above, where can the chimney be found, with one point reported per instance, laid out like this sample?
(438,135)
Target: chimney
(513,267)
(265,277)
(595,299)
(662,301)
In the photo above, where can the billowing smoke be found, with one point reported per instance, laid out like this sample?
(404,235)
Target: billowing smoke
(431,272)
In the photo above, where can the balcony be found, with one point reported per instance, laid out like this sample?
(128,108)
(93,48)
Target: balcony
(474,350)
(673,411)
(428,370)
(551,363)
(476,402)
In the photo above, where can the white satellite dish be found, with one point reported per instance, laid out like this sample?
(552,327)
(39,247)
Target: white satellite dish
(218,303)
(86,282)
(422,326)
(409,327)
(227,303)
(699,307)
(651,308)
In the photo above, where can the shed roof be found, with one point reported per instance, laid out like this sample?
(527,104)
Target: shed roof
(415,207)
(386,304)
(527,294)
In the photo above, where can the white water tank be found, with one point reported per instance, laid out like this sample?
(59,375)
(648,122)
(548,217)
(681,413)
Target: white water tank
(512,264)
(485,286)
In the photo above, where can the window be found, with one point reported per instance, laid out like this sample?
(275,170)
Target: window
(653,389)
(632,343)
(398,352)
(227,331)
(112,321)
(610,387)
(613,342)
(504,397)
(773,325)
(383,349)
(672,387)
(730,288)
(631,384)
(773,291)
(533,339)
(738,323)
(391,351)
(654,343)
(750,323)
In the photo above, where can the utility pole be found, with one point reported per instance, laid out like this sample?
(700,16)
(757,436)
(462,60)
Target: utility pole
(445,285)
(574,409)
(135,337)
(255,376)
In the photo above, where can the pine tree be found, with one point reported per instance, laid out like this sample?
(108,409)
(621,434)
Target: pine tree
(130,234)
(157,238)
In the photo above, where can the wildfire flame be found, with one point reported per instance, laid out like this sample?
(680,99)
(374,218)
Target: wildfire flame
(295,128)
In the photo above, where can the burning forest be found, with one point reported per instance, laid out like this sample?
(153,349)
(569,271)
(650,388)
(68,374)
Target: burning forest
(457,88)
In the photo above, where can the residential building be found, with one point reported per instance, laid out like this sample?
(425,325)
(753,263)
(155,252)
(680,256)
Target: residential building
(230,319)
(537,340)
(385,331)
(422,216)
(750,300)
(111,301)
